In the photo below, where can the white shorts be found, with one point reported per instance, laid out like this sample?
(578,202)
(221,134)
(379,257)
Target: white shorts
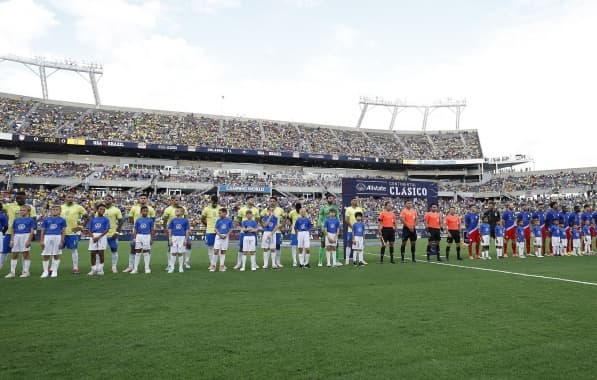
(485,240)
(221,244)
(143,242)
(499,241)
(249,244)
(52,245)
(99,245)
(330,239)
(576,243)
(357,243)
(178,244)
(563,242)
(304,240)
(268,240)
(555,241)
(588,240)
(19,243)
(538,242)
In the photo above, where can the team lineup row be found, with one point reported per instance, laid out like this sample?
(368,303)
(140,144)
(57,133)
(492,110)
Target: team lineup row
(65,224)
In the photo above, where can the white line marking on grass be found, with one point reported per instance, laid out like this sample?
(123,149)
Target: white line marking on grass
(515,273)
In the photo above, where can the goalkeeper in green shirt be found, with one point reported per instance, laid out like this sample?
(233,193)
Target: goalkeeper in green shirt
(324,213)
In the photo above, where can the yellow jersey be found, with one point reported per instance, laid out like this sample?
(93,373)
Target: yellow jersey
(13,211)
(72,214)
(293,216)
(243,211)
(349,215)
(135,212)
(114,215)
(210,213)
(278,213)
(170,213)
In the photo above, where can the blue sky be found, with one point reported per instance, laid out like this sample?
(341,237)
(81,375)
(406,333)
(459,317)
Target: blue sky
(526,67)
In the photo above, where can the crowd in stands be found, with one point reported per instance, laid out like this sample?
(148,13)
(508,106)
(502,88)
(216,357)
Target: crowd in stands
(43,119)
(58,170)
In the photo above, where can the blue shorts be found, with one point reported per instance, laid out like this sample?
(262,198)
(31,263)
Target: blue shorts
(349,239)
(6,244)
(71,241)
(240,241)
(278,240)
(210,239)
(293,240)
(113,244)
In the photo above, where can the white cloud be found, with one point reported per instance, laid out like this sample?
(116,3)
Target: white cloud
(213,6)
(304,3)
(345,35)
(21,23)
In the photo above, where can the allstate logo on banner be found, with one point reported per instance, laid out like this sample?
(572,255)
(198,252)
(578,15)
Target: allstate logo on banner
(361,187)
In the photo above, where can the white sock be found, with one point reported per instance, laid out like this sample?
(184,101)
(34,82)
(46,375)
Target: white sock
(361,258)
(292,249)
(253,261)
(171,260)
(3,257)
(180,262)
(45,264)
(301,258)
(132,258)
(26,266)
(333,253)
(278,257)
(275,260)
(13,265)
(327,257)
(146,259)
(347,260)
(499,252)
(99,266)
(213,260)
(136,260)
(114,259)
(244,261)
(307,257)
(239,259)
(187,256)
(265,258)
(55,265)
(210,252)
(75,256)
(222,259)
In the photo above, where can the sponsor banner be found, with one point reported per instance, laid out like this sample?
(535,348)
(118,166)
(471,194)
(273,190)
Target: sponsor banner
(6,136)
(442,162)
(73,141)
(244,189)
(352,187)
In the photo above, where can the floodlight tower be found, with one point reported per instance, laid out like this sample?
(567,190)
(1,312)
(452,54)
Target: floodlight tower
(38,66)
(397,106)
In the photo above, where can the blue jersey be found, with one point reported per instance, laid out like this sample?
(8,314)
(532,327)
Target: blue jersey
(595,217)
(499,231)
(537,231)
(331,225)
(98,225)
(586,216)
(564,219)
(358,229)
(554,230)
(586,230)
(550,216)
(485,228)
(525,216)
(270,223)
(563,233)
(520,234)
(179,226)
(539,215)
(573,219)
(302,224)
(3,222)
(508,218)
(23,225)
(143,226)
(223,226)
(575,233)
(250,224)
(471,221)
(53,225)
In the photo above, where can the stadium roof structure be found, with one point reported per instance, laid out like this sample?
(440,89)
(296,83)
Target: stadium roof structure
(38,66)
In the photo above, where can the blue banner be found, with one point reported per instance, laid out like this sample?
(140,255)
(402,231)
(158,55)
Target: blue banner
(244,189)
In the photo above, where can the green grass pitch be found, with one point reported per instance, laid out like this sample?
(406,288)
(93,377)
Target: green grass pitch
(406,321)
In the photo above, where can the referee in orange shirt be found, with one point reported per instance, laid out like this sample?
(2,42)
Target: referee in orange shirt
(433,219)
(453,223)
(408,217)
(387,231)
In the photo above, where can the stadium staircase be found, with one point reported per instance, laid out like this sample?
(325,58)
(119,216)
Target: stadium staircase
(405,149)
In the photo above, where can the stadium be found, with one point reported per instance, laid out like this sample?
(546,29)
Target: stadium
(441,261)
